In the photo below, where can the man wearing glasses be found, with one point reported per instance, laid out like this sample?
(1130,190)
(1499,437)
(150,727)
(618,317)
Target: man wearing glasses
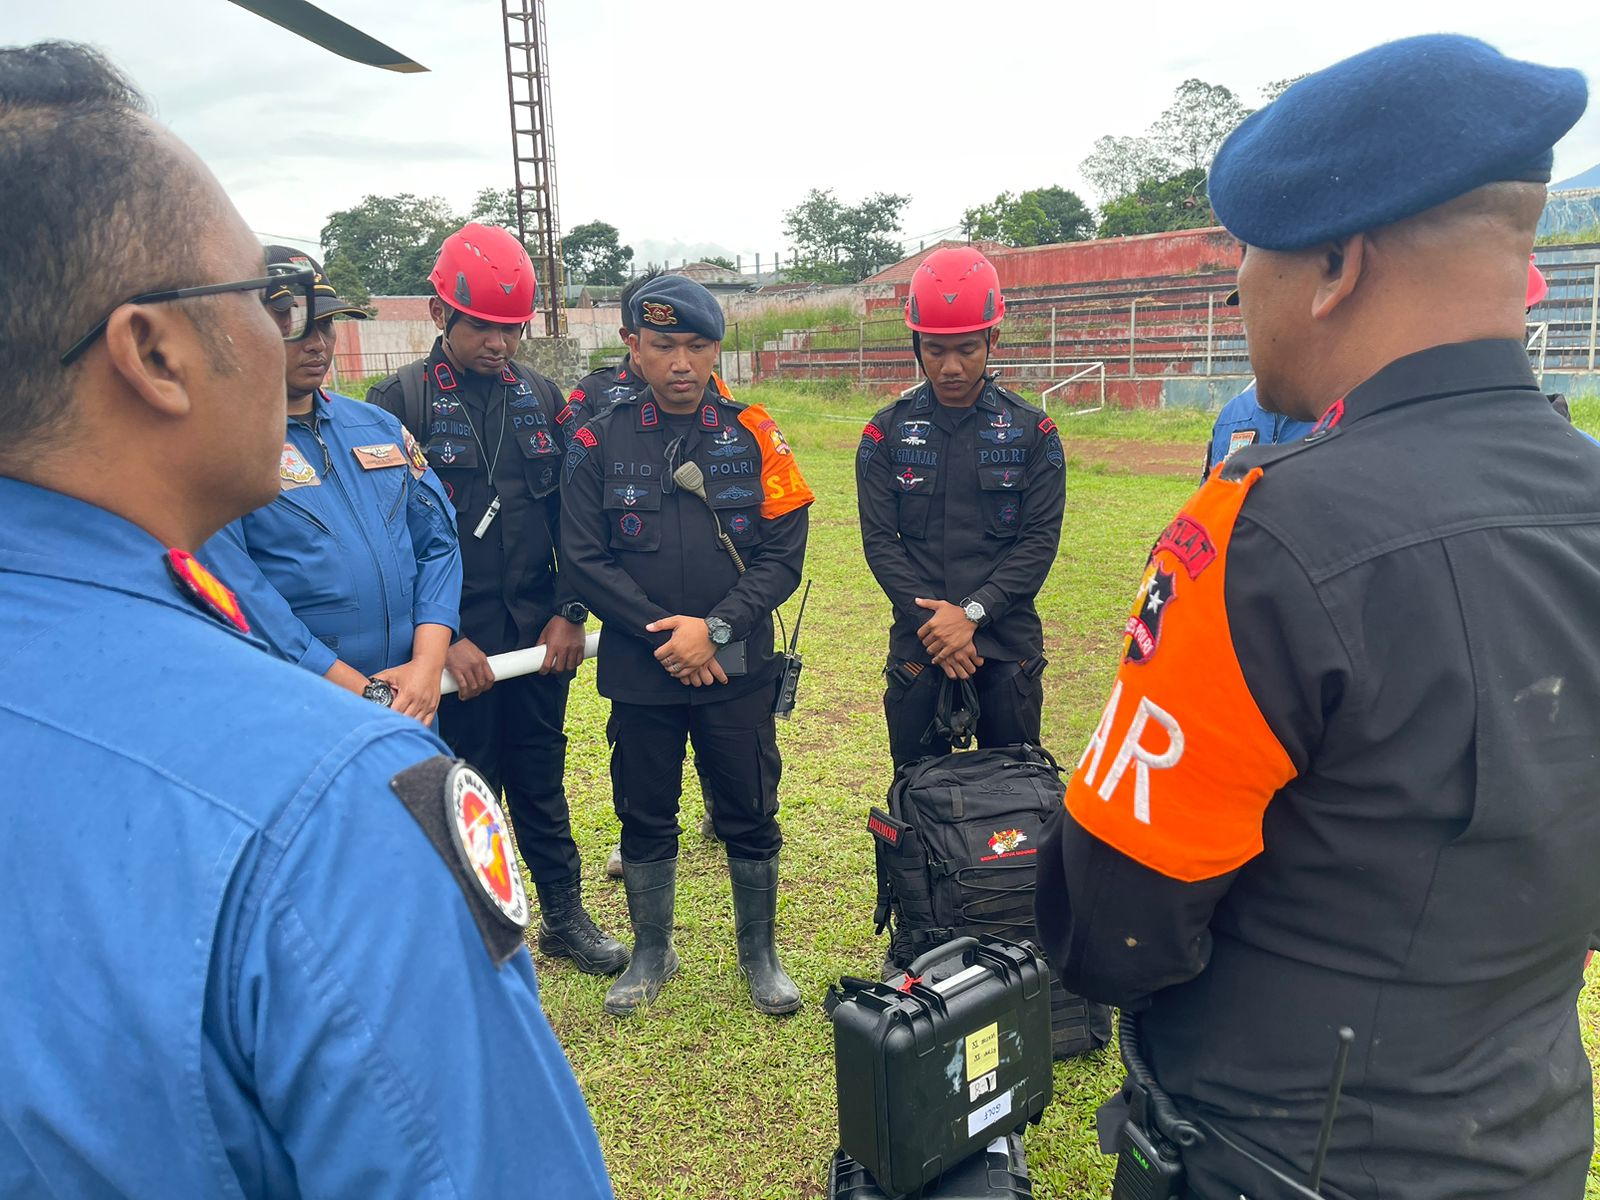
(216,867)
(496,432)
(353,572)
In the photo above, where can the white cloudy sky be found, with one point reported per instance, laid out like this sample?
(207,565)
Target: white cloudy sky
(692,124)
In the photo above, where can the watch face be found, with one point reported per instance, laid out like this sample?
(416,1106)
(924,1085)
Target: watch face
(379,692)
(974,611)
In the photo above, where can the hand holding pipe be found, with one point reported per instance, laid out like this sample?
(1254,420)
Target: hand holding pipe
(519,662)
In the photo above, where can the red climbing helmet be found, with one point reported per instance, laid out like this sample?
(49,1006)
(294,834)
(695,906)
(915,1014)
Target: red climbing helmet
(954,290)
(484,272)
(1538,289)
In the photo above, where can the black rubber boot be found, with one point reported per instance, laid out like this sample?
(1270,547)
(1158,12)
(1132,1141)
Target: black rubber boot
(755,908)
(567,931)
(652,889)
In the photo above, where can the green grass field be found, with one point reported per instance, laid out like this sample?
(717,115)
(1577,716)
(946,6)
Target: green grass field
(702,1097)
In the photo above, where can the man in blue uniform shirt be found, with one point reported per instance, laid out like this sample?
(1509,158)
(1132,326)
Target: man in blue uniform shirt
(1243,422)
(354,571)
(259,939)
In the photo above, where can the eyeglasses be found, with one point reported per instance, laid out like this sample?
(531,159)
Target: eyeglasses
(292,284)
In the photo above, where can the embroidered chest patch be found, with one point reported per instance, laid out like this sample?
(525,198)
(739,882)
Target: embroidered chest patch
(294,471)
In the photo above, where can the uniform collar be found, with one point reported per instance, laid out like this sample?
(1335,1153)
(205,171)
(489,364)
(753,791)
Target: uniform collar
(55,536)
(648,414)
(990,398)
(1432,374)
(317,415)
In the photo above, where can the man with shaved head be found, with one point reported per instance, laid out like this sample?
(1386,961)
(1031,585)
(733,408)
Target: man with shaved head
(260,938)
(1346,779)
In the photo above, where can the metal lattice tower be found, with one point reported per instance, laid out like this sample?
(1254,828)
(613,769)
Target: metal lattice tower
(533,152)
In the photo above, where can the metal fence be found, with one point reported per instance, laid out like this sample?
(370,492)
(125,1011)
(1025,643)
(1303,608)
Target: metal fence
(1178,330)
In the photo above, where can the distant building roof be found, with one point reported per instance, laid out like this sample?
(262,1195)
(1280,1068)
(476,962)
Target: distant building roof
(901,271)
(708,273)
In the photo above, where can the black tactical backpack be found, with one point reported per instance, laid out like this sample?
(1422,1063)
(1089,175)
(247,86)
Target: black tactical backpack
(957,856)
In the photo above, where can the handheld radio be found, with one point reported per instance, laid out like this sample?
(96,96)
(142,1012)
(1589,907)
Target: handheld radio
(789,684)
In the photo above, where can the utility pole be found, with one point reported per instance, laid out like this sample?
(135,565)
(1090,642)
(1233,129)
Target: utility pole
(533,153)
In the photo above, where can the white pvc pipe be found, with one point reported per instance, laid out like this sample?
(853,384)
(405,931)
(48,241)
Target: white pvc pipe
(519,662)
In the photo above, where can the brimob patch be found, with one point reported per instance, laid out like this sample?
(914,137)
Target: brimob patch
(739,523)
(576,453)
(483,839)
(1157,591)
(631,524)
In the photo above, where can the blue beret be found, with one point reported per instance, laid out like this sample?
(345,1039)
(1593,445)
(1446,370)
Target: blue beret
(1387,134)
(674,304)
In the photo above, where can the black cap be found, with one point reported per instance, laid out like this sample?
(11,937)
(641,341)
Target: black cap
(328,303)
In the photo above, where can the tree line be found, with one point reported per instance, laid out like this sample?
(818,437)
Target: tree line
(1152,182)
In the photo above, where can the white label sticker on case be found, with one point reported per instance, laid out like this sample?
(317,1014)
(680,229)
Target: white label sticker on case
(981,1118)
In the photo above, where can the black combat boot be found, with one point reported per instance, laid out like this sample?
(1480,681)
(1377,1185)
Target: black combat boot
(652,889)
(567,931)
(755,908)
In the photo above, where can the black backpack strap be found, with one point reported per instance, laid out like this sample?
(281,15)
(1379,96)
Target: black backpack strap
(955,718)
(412,395)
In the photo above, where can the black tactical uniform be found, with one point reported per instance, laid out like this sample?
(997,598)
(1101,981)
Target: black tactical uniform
(959,504)
(1348,777)
(505,437)
(599,390)
(637,549)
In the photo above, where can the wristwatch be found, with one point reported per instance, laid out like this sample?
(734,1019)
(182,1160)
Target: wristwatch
(975,611)
(575,612)
(379,691)
(721,632)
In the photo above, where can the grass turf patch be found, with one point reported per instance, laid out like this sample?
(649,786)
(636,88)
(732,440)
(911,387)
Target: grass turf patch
(700,1096)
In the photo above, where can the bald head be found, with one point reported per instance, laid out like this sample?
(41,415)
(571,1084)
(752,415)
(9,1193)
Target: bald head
(1321,320)
(97,203)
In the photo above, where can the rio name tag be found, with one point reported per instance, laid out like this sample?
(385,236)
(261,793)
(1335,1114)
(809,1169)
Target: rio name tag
(489,515)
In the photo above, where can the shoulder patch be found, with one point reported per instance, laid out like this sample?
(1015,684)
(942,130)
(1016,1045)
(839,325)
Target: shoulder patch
(414,454)
(467,825)
(205,589)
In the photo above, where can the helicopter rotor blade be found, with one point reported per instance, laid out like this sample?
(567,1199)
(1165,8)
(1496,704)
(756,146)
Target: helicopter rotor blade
(310,22)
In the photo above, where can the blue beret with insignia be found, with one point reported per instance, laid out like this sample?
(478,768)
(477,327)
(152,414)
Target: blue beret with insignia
(674,304)
(1387,134)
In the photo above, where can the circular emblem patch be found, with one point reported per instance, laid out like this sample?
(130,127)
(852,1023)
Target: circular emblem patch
(483,840)
(739,523)
(1008,515)
(631,524)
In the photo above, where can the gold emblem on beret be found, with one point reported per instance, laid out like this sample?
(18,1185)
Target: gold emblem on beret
(658,313)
